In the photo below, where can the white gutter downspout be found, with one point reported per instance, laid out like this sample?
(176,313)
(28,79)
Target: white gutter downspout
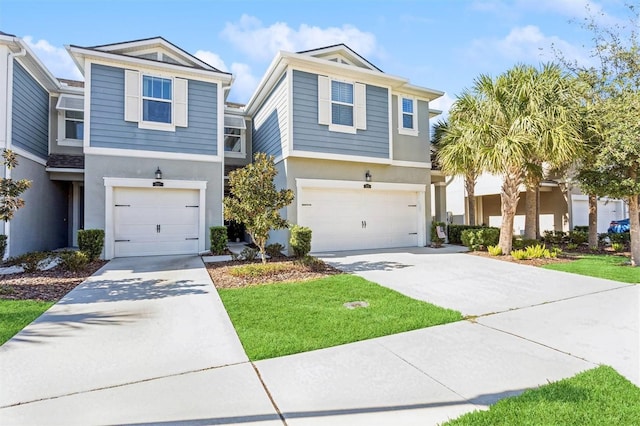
(9,109)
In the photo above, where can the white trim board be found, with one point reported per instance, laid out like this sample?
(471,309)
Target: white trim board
(356,184)
(118,152)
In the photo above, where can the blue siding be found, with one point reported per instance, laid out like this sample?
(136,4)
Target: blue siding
(109,130)
(267,137)
(30,117)
(308,135)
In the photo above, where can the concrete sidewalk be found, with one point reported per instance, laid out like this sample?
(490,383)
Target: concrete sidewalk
(143,340)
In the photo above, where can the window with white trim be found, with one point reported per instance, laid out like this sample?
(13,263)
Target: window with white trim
(407,116)
(342,105)
(70,120)
(234,136)
(155,101)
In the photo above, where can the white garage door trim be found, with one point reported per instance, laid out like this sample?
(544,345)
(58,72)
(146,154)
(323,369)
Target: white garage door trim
(110,183)
(301,184)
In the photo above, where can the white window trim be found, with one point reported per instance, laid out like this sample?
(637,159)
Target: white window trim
(62,140)
(243,144)
(154,125)
(401,129)
(325,102)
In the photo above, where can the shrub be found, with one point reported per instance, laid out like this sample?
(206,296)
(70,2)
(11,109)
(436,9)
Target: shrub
(218,239)
(274,250)
(454,232)
(578,237)
(572,246)
(300,241)
(74,260)
(555,252)
(435,239)
(494,250)
(313,263)
(91,242)
(249,253)
(519,254)
(479,239)
(258,270)
(29,261)
(554,237)
(623,238)
(3,246)
(581,228)
(522,243)
(537,252)
(618,247)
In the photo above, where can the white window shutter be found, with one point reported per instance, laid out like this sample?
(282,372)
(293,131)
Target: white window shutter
(361,106)
(324,100)
(180,102)
(131,96)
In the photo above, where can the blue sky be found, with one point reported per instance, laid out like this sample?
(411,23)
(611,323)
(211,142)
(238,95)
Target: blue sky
(441,44)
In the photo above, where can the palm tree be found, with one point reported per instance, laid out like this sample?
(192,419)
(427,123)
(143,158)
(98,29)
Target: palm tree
(456,152)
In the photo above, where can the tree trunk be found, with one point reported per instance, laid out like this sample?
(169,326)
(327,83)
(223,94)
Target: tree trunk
(510,196)
(531,210)
(470,186)
(593,221)
(634,222)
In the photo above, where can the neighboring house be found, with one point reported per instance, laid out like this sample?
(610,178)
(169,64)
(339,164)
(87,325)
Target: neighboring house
(353,144)
(562,205)
(143,147)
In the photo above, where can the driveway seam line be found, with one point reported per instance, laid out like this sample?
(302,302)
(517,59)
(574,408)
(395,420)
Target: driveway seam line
(266,389)
(49,398)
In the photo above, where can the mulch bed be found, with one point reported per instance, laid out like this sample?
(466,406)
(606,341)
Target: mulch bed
(532,262)
(49,285)
(295,271)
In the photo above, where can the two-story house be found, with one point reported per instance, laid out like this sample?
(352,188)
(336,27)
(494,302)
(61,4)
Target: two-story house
(352,143)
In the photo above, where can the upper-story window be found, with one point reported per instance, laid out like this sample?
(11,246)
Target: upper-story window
(234,136)
(342,105)
(155,102)
(156,99)
(407,116)
(70,120)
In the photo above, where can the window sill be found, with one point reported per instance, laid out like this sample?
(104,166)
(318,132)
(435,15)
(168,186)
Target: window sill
(342,129)
(70,142)
(165,127)
(408,132)
(233,154)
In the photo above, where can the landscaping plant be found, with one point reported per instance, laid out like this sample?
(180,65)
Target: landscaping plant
(479,239)
(300,241)
(91,242)
(218,239)
(494,250)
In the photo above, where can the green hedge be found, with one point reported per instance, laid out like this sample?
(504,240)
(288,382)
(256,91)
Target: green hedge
(581,228)
(3,246)
(300,240)
(218,239)
(480,239)
(455,232)
(91,242)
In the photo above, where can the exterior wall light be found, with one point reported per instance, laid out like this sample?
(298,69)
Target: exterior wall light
(158,173)
(367,176)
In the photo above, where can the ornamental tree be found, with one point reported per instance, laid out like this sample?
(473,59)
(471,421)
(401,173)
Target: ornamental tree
(10,190)
(255,201)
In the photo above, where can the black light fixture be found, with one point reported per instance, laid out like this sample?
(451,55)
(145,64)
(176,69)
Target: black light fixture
(158,173)
(367,176)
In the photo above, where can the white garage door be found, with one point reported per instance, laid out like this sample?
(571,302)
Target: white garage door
(155,221)
(358,219)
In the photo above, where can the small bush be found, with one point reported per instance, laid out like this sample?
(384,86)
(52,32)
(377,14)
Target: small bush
(480,238)
(300,241)
(29,261)
(555,252)
(435,239)
(618,247)
(494,250)
(249,253)
(581,228)
(623,238)
(554,237)
(91,242)
(537,252)
(258,270)
(218,239)
(572,246)
(274,250)
(522,243)
(454,232)
(519,254)
(577,237)
(3,246)
(74,260)
(312,263)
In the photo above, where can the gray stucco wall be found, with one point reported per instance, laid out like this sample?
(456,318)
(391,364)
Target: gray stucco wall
(99,166)
(109,130)
(411,148)
(270,121)
(42,224)
(308,135)
(30,117)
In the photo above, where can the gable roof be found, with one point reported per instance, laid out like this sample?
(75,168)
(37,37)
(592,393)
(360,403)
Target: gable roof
(6,34)
(23,54)
(343,50)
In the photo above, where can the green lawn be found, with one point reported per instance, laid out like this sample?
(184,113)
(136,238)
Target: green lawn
(281,319)
(601,266)
(16,314)
(596,397)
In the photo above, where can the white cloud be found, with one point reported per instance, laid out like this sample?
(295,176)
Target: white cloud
(245,82)
(262,42)
(56,59)
(526,44)
(444,104)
